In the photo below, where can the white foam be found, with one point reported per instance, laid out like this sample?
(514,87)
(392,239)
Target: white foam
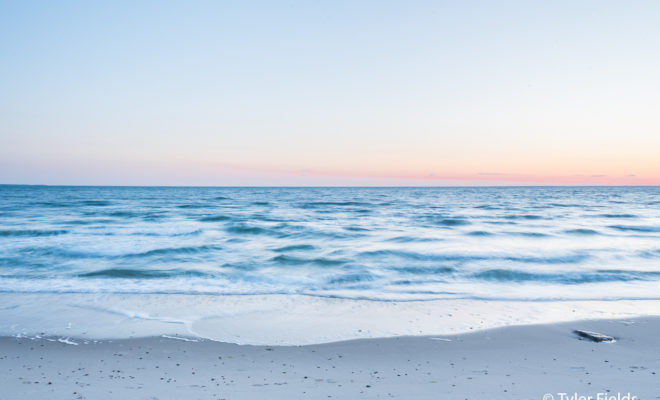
(282,319)
(67,341)
(180,338)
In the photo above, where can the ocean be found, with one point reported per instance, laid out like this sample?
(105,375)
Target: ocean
(383,244)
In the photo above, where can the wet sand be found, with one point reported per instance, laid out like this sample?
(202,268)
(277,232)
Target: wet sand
(519,362)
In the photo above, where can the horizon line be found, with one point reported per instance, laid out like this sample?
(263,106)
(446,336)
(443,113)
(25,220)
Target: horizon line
(332,186)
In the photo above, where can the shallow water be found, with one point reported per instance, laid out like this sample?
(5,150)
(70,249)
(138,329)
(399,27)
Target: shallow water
(530,243)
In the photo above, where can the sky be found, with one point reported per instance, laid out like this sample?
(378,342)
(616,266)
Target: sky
(330,92)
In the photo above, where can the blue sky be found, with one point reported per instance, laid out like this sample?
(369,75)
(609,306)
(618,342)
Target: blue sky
(340,93)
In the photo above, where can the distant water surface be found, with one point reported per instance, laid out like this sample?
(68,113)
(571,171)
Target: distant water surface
(534,243)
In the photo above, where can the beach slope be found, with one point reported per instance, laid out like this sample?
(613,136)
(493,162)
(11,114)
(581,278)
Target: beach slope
(521,362)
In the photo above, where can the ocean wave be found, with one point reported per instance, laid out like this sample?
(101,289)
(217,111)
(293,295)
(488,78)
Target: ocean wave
(618,216)
(629,271)
(295,247)
(350,279)
(318,204)
(649,253)
(168,251)
(192,206)
(122,233)
(139,273)
(422,282)
(305,233)
(562,259)
(487,207)
(452,222)
(501,222)
(423,270)
(362,211)
(582,231)
(523,217)
(58,253)
(10,266)
(215,218)
(291,260)
(530,234)
(411,239)
(31,232)
(243,229)
(565,278)
(636,228)
(124,214)
(73,254)
(90,221)
(53,204)
(418,256)
(479,233)
(96,203)
(265,218)
(566,205)
(356,229)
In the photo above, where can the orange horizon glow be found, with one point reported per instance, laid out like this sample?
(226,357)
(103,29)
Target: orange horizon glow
(339,93)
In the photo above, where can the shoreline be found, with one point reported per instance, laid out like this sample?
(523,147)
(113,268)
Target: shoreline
(509,362)
(283,319)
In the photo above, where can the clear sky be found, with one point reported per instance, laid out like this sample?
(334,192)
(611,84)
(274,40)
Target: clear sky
(330,92)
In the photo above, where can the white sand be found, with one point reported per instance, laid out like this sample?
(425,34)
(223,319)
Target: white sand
(523,362)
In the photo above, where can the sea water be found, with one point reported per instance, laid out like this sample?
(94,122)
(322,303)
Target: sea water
(366,244)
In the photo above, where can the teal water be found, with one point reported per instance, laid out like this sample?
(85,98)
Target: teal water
(535,243)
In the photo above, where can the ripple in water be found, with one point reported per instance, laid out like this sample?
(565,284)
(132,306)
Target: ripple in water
(378,243)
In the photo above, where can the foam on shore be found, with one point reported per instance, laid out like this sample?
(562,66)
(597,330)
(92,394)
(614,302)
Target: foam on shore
(282,319)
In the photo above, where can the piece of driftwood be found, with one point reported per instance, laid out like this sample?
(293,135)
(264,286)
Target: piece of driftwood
(593,336)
